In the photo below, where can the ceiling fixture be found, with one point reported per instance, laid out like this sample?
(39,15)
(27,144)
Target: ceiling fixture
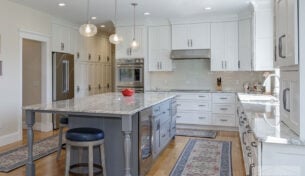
(93,18)
(102,26)
(208,8)
(146,13)
(62,4)
(114,38)
(134,44)
(88,30)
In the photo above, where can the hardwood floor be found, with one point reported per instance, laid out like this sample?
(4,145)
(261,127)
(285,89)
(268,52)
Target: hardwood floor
(49,166)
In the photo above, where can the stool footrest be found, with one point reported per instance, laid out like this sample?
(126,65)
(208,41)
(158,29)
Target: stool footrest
(85,165)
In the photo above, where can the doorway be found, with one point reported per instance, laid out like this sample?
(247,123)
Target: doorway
(31,75)
(36,77)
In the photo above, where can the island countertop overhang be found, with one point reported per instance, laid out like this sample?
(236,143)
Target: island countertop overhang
(113,104)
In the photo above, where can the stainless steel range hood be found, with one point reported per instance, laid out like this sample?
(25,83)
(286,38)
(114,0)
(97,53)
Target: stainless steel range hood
(191,54)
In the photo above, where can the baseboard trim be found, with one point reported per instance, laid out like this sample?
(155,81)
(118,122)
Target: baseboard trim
(10,138)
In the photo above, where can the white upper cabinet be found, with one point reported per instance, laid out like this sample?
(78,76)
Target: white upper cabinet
(244,45)
(159,48)
(191,36)
(263,52)
(224,46)
(286,33)
(123,50)
(61,38)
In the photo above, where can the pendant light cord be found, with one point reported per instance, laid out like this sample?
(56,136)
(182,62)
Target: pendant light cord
(134,20)
(88,11)
(115,11)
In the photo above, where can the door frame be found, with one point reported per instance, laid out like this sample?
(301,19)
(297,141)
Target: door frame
(46,77)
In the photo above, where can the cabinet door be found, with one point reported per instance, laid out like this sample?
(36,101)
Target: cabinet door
(159,39)
(217,47)
(122,49)
(180,39)
(263,49)
(231,46)
(200,36)
(245,46)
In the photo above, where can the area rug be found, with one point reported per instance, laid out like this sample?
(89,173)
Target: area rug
(17,157)
(196,133)
(204,158)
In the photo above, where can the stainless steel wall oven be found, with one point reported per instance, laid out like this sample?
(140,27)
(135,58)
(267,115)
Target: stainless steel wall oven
(130,74)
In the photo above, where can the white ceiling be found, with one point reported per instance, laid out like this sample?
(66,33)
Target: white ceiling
(75,10)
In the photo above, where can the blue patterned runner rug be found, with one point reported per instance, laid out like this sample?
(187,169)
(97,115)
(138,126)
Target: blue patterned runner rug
(204,158)
(15,158)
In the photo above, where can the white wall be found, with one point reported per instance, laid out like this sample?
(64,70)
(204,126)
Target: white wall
(14,17)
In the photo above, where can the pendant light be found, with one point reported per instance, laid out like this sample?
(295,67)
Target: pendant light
(115,38)
(134,44)
(88,30)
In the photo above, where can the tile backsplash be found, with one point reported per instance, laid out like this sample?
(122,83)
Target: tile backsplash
(196,74)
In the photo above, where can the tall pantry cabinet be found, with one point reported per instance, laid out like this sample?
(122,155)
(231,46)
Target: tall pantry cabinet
(92,59)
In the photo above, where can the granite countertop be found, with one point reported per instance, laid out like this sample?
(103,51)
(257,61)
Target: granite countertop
(263,114)
(109,103)
(192,91)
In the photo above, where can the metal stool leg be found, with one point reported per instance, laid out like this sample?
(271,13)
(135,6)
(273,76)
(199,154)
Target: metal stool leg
(103,162)
(59,142)
(68,150)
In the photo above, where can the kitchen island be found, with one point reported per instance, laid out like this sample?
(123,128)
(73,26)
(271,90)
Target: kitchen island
(114,113)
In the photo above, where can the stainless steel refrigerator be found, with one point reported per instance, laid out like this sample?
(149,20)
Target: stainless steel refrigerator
(63,80)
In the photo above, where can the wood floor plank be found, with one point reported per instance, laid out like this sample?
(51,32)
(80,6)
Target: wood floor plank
(49,166)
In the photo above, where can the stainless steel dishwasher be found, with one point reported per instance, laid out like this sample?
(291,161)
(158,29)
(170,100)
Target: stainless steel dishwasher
(145,141)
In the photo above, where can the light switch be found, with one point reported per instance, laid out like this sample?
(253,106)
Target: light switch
(0,68)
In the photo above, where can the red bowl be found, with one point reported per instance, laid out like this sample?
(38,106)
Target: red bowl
(127,92)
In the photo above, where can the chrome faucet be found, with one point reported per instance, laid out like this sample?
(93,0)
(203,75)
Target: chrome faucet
(276,89)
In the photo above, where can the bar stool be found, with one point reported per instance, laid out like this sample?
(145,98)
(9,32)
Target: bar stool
(63,122)
(85,137)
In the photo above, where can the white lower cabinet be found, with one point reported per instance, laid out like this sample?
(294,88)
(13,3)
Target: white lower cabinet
(224,109)
(206,109)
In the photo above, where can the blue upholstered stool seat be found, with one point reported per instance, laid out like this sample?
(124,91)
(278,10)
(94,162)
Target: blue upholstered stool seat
(84,134)
(64,120)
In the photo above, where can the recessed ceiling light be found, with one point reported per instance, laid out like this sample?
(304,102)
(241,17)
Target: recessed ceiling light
(62,4)
(146,13)
(208,8)
(102,26)
(93,18)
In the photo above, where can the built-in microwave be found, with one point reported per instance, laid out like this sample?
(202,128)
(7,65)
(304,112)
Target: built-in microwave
(130,73)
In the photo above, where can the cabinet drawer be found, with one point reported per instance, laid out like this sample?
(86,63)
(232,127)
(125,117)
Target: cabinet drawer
(198,118)
(223,120)
(224,97)
(165,133)
(197,96)
(224,108)
(164,116)
(190,105)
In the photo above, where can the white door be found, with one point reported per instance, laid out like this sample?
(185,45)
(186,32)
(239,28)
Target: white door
(217,46)
(200,36)
(245,47)
(180,38)
(231,46)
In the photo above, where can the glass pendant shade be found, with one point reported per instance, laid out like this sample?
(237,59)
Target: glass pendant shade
(115,39)
(134,45)
(88,30)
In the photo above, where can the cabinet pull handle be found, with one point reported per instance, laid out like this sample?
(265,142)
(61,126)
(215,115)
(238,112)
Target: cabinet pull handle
(201,118)
(201,96)
(285,99)
(201,105)
(223,120)
(243,138)
(249,155)
(89,87)
(223,98)
(253,144)
(191,43)
(178,105)
(178,117)
(77,89)
(281,46)
(224,109)
(77,55)
(225,64)
(222,64)
(89,56)
(251,169)
(163,135)
(248,148)
(62,46)
(99,57)
(238,63)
